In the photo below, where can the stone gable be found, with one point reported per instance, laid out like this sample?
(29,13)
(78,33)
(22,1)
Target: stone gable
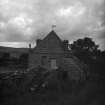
(48,52)
(50,44)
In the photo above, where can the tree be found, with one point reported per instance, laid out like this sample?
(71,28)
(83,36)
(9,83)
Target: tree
(24,60)
(85,49)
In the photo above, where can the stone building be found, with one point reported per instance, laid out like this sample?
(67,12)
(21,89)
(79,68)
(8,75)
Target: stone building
(52,53)
(48,52)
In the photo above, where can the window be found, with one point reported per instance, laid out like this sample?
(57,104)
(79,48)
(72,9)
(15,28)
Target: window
(43,60)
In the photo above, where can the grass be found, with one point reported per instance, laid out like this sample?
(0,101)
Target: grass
(88,93)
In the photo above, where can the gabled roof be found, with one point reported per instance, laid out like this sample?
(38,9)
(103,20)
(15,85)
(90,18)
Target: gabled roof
(52,34)
(51,43)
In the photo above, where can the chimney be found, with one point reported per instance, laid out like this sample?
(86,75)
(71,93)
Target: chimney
(65,44)
(30,46)
(38,42)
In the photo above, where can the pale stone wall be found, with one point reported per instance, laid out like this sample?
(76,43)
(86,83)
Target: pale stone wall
(74,69)
(35,59)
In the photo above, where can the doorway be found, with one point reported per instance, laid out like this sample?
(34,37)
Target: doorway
(53,64)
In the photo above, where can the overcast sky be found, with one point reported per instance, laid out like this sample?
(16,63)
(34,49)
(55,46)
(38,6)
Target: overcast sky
(26,20)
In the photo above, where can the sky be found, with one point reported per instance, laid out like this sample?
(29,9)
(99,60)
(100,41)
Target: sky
(24,21)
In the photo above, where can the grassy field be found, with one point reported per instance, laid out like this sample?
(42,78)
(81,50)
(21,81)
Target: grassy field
(88,93)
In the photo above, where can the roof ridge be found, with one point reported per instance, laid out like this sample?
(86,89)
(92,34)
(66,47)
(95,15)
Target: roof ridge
(52,33)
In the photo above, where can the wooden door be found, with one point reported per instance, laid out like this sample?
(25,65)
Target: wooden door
(53,64)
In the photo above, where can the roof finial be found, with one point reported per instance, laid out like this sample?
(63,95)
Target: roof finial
(53,26)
